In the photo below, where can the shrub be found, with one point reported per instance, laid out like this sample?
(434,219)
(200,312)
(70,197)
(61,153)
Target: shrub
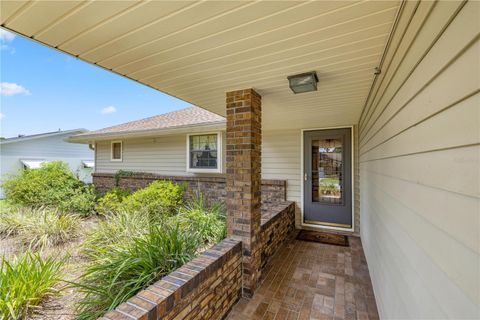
(208,221)
(39,228)
(119,271)
(52,185)
(160,198)
(24,282)
(111,201)
(81,201)
(120,227)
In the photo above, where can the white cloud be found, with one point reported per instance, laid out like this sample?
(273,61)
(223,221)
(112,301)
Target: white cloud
(6,36)
(10,89)
(109,109)
(4,47)
(2,116)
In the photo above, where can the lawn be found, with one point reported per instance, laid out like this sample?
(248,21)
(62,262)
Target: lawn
(69,253)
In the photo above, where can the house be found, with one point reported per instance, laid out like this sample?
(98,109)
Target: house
(30,151)
(160,144)
(398,93)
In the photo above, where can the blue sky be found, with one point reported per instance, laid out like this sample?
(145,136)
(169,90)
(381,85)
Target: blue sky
(45,90)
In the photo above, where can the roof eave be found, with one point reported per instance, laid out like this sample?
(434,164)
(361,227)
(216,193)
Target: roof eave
(90,138)
(39,136)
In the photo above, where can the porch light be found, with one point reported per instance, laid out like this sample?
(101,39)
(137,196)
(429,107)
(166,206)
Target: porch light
(304,82)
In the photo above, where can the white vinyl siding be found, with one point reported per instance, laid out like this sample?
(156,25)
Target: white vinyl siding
(49,146)
(419,168)
(281,159)
(165,155)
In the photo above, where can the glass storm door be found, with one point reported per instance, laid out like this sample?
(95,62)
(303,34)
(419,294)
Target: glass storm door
(328,177)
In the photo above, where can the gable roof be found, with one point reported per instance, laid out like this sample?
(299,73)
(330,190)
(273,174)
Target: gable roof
(43,135)
(184,118)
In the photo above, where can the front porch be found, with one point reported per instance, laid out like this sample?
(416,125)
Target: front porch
(309,280)
(398,72)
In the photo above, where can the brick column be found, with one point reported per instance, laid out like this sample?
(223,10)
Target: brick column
(244,142)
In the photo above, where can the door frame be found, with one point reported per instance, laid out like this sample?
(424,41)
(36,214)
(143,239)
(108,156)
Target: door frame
(302,223)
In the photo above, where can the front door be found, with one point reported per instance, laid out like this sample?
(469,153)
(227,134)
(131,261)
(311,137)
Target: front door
(328,177)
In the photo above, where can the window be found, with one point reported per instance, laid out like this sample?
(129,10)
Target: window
(116,151)
(32,164)
(204,152)
(88,164)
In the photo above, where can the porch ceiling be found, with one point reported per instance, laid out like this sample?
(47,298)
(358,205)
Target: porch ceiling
(197,50)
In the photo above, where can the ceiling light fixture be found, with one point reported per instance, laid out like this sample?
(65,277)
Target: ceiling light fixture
(304,82)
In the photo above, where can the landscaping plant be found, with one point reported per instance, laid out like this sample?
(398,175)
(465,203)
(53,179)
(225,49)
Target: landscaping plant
(198,217)
(52,185)
(39,228)
(111,202)
(160,198)
(118,271)
(115,228)
(24,282)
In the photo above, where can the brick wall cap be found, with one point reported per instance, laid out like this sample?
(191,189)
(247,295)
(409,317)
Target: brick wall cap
(154,176)
(212,259)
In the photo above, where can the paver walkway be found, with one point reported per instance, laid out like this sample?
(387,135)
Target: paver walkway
(308,280)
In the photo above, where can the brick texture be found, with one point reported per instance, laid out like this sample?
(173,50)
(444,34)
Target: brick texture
(213,188)
(278,222)
(208,286)
(205,288)
(244,142)
(310,280)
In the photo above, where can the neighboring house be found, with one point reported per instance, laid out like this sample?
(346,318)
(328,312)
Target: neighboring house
(29,152)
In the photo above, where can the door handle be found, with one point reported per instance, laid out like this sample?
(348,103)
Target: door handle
(306,176)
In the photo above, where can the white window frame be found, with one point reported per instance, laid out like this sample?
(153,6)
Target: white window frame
(121,151)
(219,168)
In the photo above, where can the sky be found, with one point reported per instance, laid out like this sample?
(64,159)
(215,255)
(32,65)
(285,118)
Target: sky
(43,90)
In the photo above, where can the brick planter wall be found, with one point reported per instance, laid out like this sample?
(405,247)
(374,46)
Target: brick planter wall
(205,288)
(208,286)
(211,187)
(278,222)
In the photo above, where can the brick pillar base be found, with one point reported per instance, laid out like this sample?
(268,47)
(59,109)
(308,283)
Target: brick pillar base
(244,142)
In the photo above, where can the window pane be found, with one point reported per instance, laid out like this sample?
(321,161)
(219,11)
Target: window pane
(203,141)
(117,150)
(203,151)
(212,142)
(204,154)
(327,168)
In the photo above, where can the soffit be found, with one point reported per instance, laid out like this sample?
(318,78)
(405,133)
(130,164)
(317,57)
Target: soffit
(198,50)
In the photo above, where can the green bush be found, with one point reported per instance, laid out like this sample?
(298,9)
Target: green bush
(52,185)
(111,202)
(39,228)
(81,201)
(160,198)
(208,221)
(24,282)
(118,271)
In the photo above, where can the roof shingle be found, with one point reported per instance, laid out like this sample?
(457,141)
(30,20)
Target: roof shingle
(189,116)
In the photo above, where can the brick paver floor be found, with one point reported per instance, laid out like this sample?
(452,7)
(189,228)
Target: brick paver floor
(308,280)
